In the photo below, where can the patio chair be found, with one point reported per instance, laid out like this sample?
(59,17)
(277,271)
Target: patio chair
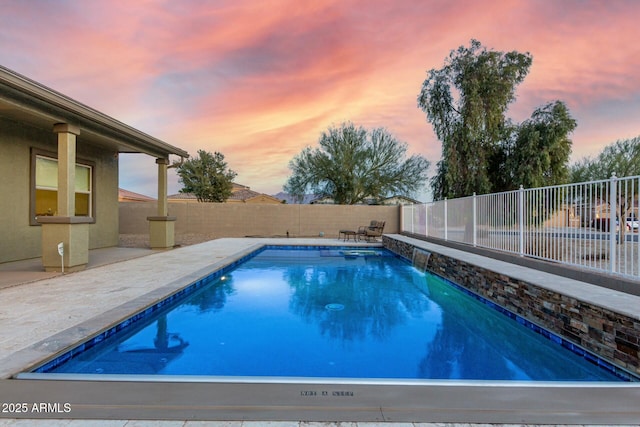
(362,230)
(372,231)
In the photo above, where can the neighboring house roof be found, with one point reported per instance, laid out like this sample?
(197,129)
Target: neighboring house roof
(182,197)
(237,187)
(25,100)
(241,193)
(250,196)
(399,200)
(307,198)
(130,196)
(393,200)
(324,200)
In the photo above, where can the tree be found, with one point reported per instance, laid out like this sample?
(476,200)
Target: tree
(472,125)
(621,157)
(352,164)
(483,151)
(206,176)
(539,154)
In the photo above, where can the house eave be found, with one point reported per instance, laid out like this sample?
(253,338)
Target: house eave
(24,99)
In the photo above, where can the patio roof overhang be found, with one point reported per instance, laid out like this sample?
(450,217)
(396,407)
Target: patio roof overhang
(27,101)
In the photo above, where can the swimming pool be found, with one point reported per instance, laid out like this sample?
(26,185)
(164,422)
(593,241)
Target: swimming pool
(330,313)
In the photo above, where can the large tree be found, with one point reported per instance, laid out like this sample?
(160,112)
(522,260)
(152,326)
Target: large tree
(539,153)
(352,164)
(206,176)
(482,151)
(621,157)
(466,101)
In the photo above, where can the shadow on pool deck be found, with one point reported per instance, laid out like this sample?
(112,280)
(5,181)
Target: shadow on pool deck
(135,246)
(31,270)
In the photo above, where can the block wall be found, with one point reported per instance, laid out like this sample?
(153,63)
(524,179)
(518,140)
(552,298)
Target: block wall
(241,220)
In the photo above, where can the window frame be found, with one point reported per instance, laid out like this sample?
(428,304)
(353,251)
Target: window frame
(35,153)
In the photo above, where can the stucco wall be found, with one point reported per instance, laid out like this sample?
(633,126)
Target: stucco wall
(104,233)
(19,239)
(240,220)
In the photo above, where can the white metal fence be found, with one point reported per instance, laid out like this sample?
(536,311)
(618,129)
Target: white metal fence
(592,225)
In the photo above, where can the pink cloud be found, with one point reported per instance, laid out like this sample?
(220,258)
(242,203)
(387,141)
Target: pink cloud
(259,81)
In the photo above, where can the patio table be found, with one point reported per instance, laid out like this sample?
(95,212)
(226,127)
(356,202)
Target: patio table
(347,234)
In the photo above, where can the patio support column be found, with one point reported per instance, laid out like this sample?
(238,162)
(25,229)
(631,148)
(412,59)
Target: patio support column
(162,186)
(161,227)
(66,168)
(65,227)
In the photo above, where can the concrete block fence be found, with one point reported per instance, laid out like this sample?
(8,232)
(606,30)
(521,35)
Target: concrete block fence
(242,220)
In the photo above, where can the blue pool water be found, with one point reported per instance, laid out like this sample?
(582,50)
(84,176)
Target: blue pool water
(332,313)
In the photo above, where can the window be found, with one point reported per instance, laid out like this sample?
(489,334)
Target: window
(45,200)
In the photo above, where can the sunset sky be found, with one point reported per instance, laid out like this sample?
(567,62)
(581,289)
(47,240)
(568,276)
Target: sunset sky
(260,80)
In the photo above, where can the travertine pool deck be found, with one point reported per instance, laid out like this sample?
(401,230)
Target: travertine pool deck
(33,311)
(39,318)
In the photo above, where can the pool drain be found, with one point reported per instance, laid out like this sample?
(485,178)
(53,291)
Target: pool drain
(334,307)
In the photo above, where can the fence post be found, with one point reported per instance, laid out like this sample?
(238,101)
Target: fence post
(475,221)
(446,234)
(521,221)
(426,220)
(613,213)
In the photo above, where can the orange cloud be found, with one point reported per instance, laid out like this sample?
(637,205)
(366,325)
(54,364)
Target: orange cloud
(260,81)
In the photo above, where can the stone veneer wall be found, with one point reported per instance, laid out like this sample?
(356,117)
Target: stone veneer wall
(610,335)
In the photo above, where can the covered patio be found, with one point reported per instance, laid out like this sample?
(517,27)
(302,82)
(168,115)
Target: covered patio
(60,170)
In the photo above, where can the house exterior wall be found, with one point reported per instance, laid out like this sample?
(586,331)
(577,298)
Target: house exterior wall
(20,239)
(246,219)
(104,233)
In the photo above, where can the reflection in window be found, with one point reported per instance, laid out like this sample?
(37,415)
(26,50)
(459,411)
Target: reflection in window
(46,191)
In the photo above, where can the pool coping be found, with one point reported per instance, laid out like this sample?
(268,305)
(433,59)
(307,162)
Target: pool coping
(331,401)
(41,369)
(616,300)
(589,317)
(151,303)
(326,400)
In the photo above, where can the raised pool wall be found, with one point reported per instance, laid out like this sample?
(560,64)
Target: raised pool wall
(612,336)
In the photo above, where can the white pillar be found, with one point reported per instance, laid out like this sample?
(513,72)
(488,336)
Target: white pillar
(446,220)
(521,220)
(474,227)
(613,212)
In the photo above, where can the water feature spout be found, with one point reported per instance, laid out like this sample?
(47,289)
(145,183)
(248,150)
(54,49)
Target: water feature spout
(420,259)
